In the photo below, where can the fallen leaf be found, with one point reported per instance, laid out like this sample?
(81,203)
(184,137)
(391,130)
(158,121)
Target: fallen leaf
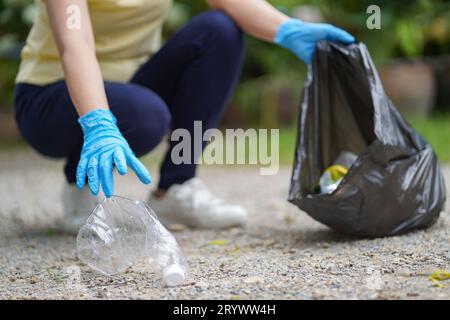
(218,242)
(234,250)
(289,219)
(439,277)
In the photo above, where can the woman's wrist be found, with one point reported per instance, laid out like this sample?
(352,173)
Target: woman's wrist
(82,111)
(280,25)
(97,118)
(284,28)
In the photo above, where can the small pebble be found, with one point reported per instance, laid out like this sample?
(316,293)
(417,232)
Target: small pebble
(33,280)
(176,227)
(253,279)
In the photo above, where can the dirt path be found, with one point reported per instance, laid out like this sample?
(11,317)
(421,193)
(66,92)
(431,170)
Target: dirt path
(282,253)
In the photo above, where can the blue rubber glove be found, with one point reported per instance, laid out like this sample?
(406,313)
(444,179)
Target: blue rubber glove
(301,37)
(104,146)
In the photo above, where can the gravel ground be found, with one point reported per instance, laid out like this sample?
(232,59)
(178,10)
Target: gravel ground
(281,254)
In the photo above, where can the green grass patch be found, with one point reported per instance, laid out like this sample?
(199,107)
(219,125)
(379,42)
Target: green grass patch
(436,130)
(288,138)
(12,145)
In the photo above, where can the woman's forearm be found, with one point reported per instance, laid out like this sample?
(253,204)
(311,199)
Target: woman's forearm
(256,17)
(76,48)
(84,79)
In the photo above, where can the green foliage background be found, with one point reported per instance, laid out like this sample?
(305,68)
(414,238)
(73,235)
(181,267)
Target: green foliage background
(409,28)
(269,89)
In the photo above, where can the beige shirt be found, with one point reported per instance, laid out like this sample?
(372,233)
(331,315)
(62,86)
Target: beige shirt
(126,33)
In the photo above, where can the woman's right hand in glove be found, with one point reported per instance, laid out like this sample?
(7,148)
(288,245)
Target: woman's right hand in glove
(103,147)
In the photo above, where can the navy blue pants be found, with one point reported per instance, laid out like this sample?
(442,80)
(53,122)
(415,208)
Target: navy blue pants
(189,79)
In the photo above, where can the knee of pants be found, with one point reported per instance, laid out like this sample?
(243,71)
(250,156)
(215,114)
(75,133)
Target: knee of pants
(226,32)
(149,123)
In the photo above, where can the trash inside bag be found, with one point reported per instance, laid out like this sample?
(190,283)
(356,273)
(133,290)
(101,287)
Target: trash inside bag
(121,232)
(332,176)
(394,184)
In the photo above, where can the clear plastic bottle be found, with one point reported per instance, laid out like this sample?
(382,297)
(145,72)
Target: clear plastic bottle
(121,232)
(332,176)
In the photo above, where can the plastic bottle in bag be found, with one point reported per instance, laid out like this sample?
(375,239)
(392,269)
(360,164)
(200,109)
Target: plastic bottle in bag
(332,176)
(121,232)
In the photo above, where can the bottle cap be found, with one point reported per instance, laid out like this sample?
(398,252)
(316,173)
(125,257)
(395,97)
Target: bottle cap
(173,275)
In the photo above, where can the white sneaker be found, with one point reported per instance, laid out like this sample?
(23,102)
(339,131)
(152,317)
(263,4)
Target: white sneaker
(77,206)
(193,205)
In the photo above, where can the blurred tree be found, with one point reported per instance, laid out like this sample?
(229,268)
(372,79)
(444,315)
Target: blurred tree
(16,17)
(15,20)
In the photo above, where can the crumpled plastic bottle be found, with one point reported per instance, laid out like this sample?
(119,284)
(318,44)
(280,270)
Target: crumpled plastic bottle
(332,176)
(121,232)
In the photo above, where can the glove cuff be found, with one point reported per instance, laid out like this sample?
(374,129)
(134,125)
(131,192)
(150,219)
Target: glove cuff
(285,29)
(97,118)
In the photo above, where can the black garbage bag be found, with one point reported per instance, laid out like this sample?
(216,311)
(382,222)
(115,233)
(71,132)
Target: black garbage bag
(395,185)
